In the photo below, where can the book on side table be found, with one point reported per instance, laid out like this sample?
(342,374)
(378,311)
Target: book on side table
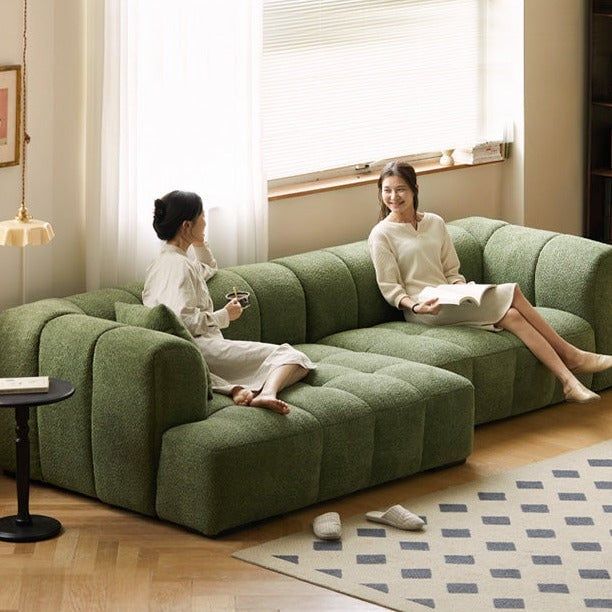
(26,384)
(460,293)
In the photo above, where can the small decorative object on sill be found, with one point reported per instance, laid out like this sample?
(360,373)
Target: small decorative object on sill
(363,168)
(446,159)
(479,153)
(23,229)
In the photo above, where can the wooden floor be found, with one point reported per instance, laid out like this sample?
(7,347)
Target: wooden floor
(110,559)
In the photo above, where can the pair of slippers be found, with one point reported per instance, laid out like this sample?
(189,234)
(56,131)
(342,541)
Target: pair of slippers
(328,526)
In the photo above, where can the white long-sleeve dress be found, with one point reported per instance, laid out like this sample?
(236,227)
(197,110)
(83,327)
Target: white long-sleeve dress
(407,260)
(179,282)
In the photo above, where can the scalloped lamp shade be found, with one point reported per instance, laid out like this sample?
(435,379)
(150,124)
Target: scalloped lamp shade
(23,233)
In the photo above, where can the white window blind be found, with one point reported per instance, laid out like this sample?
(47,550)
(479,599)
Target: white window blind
(354,81)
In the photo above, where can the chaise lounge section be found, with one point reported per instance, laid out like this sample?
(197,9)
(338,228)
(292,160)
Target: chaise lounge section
(388,398)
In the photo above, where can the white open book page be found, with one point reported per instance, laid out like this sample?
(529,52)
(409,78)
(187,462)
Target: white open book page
(455,294)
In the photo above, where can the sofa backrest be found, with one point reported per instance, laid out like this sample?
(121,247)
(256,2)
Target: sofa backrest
(305,297)
(510,253)
(101,303)
(278,308)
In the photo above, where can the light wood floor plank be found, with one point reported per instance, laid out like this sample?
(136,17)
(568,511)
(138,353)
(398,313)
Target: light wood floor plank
(110,559)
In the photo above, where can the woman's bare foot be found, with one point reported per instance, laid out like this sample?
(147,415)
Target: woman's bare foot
(271,403)
(577,392)
(242,396)
(590,362)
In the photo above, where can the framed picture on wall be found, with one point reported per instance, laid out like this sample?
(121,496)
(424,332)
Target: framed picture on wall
(10,115)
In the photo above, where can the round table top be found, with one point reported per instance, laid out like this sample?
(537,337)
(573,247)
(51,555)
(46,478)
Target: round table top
(58,390)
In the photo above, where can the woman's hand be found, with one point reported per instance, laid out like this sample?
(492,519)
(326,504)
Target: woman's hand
(429,307)
(234,309)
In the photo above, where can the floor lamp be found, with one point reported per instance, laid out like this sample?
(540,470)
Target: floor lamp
(23,230)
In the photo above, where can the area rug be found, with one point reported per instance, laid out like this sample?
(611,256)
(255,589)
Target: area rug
(536,538)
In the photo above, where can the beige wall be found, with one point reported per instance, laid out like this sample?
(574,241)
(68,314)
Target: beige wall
(55,175)
(554,114)
(346,215)
(69,141)
(547,154)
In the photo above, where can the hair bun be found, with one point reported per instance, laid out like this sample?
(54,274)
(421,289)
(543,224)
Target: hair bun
(160,211)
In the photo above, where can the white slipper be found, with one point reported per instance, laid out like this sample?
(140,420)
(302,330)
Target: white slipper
(397,516)
(327,526)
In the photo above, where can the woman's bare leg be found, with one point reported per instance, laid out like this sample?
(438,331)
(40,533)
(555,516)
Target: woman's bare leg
(573,357)
(563,348)
(537,343)
(281,377)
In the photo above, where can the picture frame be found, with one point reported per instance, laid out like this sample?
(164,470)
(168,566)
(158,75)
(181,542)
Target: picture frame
(10,115)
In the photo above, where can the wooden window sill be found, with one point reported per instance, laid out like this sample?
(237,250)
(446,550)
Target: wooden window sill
(341,182)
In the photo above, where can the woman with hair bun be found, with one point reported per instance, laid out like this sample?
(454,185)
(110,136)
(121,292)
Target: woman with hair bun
(413,250)
(252,373)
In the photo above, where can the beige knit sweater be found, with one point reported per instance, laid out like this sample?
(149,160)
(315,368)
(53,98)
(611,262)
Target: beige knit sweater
(408,260)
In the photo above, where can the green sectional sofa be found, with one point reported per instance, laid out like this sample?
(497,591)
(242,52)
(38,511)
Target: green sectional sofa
(388,398)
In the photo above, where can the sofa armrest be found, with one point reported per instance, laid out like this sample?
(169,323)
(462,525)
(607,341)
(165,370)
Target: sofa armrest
(575,274)
(144,383)
(20,330)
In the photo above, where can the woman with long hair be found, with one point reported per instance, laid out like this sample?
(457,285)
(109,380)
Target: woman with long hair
(412,250)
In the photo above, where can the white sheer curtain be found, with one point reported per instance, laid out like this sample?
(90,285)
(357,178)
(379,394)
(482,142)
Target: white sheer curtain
(180,110)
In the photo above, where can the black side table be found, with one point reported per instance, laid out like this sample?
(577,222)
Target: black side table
(26,527)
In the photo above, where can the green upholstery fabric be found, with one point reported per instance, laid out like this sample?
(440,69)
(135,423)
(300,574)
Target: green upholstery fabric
(356,429)
(492,360)
(399,426)
(20,330)
(159,318)
(454,400)
(412,347)
(387,385)
(399,415)
(508,379)
(481,228)
(511,255)
(281,299)
(238,466)
(575,275)
(67,345)
(347,427)
(469,252)
(135,289)
(101,303)
(372,308)
(449,409)
(331,296)
(164,385)
(248,326)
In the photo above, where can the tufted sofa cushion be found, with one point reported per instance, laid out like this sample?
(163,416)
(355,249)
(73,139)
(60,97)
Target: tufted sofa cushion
(356,421)
(159,318)
(20,329)
(507,378)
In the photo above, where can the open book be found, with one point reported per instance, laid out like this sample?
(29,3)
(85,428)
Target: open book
(455,294)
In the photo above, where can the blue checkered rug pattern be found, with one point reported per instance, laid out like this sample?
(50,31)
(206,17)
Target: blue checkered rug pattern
(536,538)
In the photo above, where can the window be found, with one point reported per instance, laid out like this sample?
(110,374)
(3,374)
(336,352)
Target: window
(348,82)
